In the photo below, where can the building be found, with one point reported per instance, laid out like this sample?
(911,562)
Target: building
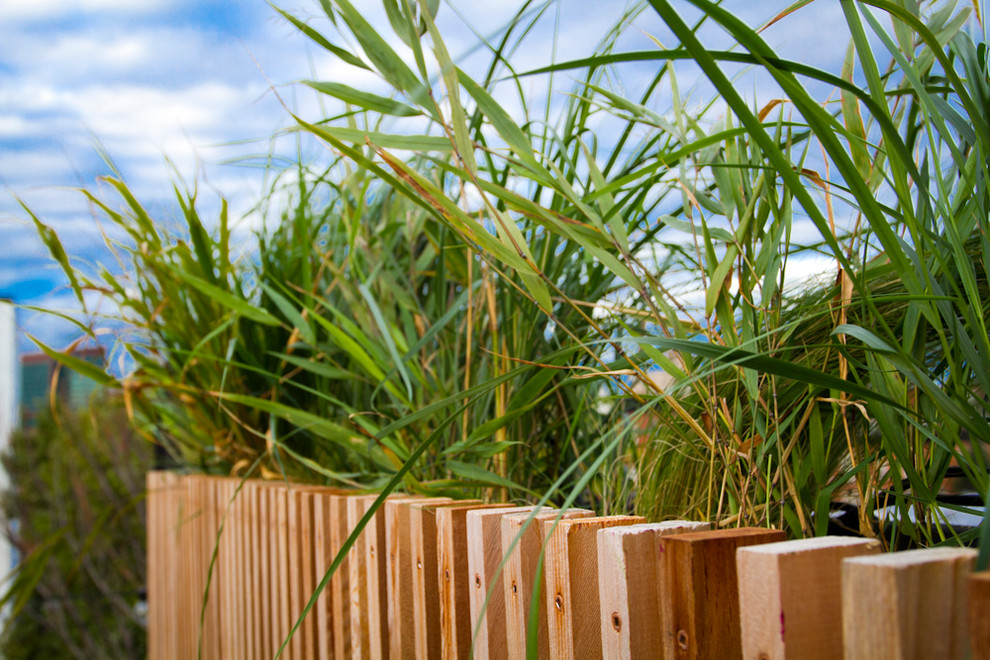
(38,375)
(8,421)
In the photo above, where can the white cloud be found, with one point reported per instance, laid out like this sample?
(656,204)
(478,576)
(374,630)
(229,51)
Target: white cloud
(38,10)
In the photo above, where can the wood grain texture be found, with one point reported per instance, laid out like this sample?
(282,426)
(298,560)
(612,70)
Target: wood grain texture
(266,561)
(340,588)
(253,570)
(280,574)
(322,559)
(573,608)
(790,596)
(207,529)
(522,544)
(357,567)
(227,607)
(156,534)
(978,607)
(375,547)
(307,573)
(484,539)
(295,569)
(454,580)
(629,615)
(424,560)
(399,570)
(699,596)
(906,605)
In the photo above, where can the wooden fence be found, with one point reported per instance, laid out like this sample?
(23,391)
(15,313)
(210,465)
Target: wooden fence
(416,582)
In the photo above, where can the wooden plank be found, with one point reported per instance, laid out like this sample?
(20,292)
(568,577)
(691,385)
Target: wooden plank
(340,582)
(238,589)
(280,569)
(522,545)
(307,583)
(177,579)
(171,506)
(906,605)
(484,539)
(323,558)
(399,571)
(699,596)
(189,580)
(226,607)
(205,525)
(369,607)
(253,569)
(790,596)
(978,605)
(424,562)
(266,559)
(629,586)
(294,571)
(161,600)
(215,543)
(358,614)
(302,567)
(573,608)
(454,578)
(155,568)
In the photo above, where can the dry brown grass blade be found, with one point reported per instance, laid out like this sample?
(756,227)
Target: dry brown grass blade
(787,12)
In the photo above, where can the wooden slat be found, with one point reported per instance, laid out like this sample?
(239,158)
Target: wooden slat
(522,544)
(424,561)
(203,525)
(699,596)
(238,588)
(323,556)
(240,579)
(266,562)
(454,579)
(484,538)
(156,564)
(295,570)
(340,581)
(177,580)
(280,569)
(226,607)
(906,605)
(191,586)
(308,580)
(978,606)
(369,605)
(629,586)
(164,604)
(358,614)
(302,567)
(573,607)
(399,571)
(207,488)
(790,598)
(253,571)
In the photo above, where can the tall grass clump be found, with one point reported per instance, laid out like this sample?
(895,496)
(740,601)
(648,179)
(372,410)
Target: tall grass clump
(777,401)
(591,296)
(353,332)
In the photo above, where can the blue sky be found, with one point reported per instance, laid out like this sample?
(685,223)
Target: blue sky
(188,81)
